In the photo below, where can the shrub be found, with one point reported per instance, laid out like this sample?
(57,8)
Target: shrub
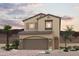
(5,48)
(15,44)
(76,47)
(66,49)
(47,52)
(69,47)
(62,47)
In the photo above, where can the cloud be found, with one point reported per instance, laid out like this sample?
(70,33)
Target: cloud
(67,18)
(14,13)
(14,23)
(76,7)
(18,10)
(7,5)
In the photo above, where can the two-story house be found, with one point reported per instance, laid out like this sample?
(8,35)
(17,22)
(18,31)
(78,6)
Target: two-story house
(41,31)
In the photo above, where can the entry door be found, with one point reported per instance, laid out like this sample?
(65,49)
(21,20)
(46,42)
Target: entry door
(56,43)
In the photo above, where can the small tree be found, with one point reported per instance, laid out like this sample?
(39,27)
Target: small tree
(67,35)
(15,44)
(7,29)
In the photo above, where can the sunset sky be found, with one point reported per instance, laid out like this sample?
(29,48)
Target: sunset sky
(14,13)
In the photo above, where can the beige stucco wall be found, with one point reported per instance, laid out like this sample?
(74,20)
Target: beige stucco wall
(32,20)
(55,30)
(49,36)
(44,35)
(41,24)
(41,27)
(56,26)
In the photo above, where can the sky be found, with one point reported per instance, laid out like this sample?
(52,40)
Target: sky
(13,13)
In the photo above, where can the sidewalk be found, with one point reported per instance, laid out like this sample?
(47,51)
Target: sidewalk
(37,53)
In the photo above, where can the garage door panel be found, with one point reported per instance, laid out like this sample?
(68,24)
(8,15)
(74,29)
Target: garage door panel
(35,44)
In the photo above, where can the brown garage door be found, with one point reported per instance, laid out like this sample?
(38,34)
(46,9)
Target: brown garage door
(35,44)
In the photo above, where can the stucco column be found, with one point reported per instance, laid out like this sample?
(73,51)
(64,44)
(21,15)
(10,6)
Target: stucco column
(20,44)
(56,43)
(50,45)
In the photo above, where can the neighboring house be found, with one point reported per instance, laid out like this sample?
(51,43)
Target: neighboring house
(41,32)
(13,36)
(74,41)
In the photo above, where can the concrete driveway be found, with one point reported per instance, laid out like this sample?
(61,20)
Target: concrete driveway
(37,53)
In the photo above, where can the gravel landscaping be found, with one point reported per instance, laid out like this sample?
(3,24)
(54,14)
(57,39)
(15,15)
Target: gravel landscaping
(37,53)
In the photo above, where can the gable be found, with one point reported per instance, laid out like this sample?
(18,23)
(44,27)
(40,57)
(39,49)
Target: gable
(48,16)
(40,15)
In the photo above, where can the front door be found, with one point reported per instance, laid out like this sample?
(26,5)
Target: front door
(56,43)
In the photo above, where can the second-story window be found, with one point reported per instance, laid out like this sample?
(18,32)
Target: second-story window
(31,25)
(48,24)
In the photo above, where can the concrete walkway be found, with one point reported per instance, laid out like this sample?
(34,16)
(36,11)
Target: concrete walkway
(37,53)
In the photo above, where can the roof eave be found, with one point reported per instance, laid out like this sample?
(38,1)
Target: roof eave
(54,16)
(34,16)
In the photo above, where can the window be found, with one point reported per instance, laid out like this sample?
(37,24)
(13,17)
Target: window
(31,25)
(48,24)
